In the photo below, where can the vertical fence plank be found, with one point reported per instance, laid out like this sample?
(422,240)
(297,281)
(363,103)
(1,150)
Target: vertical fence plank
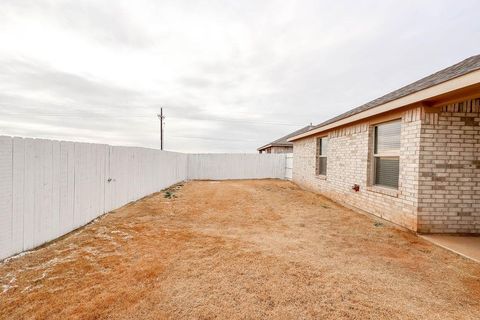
(44,206)
(56,170)
(6,186)
(38,201)
(18,193)
(29,196)
(66,186)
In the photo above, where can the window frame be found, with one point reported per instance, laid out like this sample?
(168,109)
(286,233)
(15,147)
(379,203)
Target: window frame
(392,154)
(319,154)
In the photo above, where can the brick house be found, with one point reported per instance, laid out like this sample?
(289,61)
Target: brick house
(411,157)
(282,145)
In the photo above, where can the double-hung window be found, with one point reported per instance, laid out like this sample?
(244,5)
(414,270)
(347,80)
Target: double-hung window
(386,154)
(321,157)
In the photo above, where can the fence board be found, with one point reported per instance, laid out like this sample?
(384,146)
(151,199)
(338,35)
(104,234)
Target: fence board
(18,193)
(6,173)
(29,195)
(66,187)
(55,214)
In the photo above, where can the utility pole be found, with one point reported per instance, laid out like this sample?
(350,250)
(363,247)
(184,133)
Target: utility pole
(161,117)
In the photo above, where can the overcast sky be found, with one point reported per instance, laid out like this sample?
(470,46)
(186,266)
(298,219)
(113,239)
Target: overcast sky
(231,75)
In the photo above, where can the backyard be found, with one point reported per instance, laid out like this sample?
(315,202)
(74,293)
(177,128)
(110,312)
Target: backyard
(239,250)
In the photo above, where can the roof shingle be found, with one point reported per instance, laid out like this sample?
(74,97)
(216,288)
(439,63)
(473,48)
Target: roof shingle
(457,70)
(283,140)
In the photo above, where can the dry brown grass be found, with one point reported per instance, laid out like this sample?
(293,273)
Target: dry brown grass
(239,250)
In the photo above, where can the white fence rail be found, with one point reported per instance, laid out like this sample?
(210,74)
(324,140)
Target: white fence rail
(49,188)
(235,166)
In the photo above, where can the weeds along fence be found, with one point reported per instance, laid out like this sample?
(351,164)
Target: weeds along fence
(49,188)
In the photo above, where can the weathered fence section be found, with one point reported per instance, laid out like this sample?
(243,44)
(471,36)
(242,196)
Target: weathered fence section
(49,188)
(213,166)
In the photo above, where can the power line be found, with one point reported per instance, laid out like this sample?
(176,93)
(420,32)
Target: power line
(80,116)
(213,139)
(242,121)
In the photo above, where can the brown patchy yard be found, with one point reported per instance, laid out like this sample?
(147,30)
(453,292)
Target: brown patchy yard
(239,250)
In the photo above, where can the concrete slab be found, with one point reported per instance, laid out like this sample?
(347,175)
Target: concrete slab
(466,246)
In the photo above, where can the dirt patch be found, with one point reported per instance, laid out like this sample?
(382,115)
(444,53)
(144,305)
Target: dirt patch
(237,250)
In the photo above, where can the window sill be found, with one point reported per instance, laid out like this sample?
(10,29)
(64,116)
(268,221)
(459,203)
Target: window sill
(321,177)
(383,190)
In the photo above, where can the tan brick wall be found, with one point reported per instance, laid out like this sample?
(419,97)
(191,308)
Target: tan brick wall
(439,183)
(349,162)
(449,197)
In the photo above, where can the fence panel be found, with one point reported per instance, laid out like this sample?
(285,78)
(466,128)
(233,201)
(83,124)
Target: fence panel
(236,166)
(49,188)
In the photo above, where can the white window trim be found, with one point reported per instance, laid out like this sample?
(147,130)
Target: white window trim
(393,191)
(319,155)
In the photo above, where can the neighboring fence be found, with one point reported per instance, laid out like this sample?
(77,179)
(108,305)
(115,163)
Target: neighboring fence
(289,166)
(211,166)
(49,188)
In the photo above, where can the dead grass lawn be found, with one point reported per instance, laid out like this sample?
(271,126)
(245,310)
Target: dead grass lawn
(239,250)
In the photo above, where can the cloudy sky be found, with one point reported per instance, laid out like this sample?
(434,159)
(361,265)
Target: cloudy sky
(231,75)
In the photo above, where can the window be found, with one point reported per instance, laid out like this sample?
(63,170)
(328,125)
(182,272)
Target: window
(321,158)
(386,154)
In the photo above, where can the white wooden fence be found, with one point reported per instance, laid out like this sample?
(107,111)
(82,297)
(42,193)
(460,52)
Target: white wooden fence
(223,166)
(137,172)
(49,188)
(289,166)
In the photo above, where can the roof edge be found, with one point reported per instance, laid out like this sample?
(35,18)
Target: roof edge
(264,147)
(462,81)
(275,145)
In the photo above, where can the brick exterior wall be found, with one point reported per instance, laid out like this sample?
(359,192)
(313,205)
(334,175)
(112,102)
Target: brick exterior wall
(439,182)
(449,196)
(349,162)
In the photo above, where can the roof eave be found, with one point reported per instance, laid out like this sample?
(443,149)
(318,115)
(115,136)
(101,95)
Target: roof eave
(275,145)
(264,147)
(465,80)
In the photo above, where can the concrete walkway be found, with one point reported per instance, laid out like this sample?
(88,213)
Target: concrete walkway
(468,247)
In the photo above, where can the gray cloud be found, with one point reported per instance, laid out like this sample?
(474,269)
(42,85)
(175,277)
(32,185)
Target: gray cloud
(73,87)
(231,75)
(196,83)
(107,22)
